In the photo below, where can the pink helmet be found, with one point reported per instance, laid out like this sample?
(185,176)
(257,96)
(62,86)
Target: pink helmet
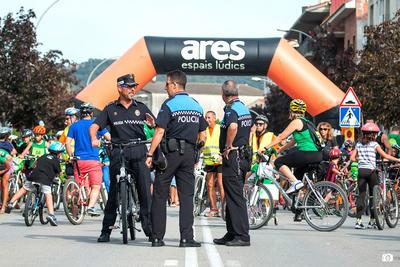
(334,153)
(370,127)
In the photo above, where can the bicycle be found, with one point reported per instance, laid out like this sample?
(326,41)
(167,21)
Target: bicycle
(324,203)
(384,199)
(34,205)
(200,197)
(76,196)
(18,177)
(127,195)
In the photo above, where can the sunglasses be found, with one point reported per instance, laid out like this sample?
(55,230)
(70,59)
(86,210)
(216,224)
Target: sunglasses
(324,129)
(260,123)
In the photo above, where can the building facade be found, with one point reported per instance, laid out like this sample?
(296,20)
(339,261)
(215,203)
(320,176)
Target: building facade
(382,10)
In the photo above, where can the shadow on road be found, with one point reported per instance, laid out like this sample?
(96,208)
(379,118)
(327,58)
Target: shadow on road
(139,242)
(377,237)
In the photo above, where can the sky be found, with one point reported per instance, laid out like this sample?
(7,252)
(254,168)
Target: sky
(84,29)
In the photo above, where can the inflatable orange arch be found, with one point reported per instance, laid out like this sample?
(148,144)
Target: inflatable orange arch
(273,57)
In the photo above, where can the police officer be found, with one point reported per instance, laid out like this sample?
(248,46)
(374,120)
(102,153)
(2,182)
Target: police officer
(125,117)
(180,124)
(233,143)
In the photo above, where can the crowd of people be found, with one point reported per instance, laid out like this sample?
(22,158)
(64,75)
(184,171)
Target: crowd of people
(165,169)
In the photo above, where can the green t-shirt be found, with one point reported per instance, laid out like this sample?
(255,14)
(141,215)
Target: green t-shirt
(3,156)
(303,139)
(38,149)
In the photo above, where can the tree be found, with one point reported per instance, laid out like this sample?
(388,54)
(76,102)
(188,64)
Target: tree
(377,75)
(33,86)
(277,108)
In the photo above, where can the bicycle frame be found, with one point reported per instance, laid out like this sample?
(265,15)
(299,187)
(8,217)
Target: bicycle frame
(307,182)
(83,180)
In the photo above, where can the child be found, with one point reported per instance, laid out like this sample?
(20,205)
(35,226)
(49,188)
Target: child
(7,168)
(366,151)
(333,170)
(47,167)
(38,145)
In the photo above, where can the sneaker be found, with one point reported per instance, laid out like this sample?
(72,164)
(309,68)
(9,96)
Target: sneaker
(295,187)
(359,224)
(52,219)
(93,212)
(372,224)
(9,207)
(212,213)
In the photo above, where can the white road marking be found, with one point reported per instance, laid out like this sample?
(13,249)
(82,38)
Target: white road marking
(213,256)
(171,263)
(191,254)
(233,263)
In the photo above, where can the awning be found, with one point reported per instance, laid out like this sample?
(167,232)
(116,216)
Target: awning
(341,13)
(311,17)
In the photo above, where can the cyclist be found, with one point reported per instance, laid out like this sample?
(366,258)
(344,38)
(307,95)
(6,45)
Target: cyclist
(46,168)
(5,144)
(38,146)
(261,137)
(213,162)
(365,152)
(88,162)
(6,166)
(333,170)
(22,143)
(71,116)
(306,152)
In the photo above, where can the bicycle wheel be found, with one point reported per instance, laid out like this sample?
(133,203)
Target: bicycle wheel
(325,207)
(352,196)
(198,200)
(42,219)
(103,198)
(13,186)
(73,206)
(378,207)
(260,205)
(124,202)
(392,208)
(30,211)
(56,193)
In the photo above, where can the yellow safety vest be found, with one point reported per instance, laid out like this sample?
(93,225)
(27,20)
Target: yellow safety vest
(211,148)
(266,139)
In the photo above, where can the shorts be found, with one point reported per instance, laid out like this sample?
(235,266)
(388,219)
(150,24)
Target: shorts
(28,185)
(91,167)
(213,168)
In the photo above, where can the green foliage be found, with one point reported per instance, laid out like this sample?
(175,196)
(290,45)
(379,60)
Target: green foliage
(377,76)
(33,86)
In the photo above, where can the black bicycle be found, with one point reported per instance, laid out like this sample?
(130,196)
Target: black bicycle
(34,205)
(127,196)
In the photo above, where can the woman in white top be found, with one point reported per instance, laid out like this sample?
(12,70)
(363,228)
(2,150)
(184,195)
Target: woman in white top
(365,154)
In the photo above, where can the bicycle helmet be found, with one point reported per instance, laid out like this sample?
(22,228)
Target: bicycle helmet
(5,132)
(298,106)
(262,118)
(396,146)
(348,143)
(86,108)
(71,111)
(26,133)
(335,153)
(39,130)
(370,127)
(56,147)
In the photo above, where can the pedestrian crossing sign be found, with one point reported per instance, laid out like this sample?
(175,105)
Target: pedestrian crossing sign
(349,116)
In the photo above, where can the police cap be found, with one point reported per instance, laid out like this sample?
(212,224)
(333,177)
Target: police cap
(127,80)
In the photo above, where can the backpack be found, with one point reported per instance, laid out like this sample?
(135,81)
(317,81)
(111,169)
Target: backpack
(315,135)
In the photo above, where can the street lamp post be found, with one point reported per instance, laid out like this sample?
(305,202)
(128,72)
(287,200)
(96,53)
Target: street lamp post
(45,12)
(264,81)
(89,79)
(298,31)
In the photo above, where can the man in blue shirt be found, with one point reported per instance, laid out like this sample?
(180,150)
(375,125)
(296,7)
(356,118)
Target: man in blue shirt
(233,144)
(88,155)
(180,126)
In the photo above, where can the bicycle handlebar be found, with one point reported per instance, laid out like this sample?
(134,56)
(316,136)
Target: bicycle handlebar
(132,143)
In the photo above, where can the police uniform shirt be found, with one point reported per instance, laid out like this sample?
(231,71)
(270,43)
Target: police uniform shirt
(125,123)
(182,118)
(236,112)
